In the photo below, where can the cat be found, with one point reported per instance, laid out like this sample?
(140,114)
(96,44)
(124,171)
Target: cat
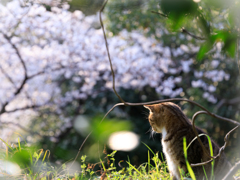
(168,118)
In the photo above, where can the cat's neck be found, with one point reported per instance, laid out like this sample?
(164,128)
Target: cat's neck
(168,132)
(164,133)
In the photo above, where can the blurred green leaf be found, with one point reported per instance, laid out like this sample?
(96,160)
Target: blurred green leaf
(229,40)
(178,8)
(203,50)
(203,24)
(178,12)
(22,158)
(175,23)
(107,127)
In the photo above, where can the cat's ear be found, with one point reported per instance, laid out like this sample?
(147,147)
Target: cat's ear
(149,107)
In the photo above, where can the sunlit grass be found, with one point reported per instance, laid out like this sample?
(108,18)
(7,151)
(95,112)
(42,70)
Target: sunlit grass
(34,164)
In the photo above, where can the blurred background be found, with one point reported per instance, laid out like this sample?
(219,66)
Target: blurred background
(56,83)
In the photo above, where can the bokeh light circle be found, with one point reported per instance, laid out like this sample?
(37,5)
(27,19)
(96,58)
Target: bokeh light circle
(123,141)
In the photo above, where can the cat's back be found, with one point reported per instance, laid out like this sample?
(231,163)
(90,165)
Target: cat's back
(197,155)
(174,126)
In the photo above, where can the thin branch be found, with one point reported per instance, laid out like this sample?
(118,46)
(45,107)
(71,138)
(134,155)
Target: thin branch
(106,44)
(44,71)
(226,101)
(25,79)
(232,171)
(183,30)
(196,133)
(20,126)
(18,54)
(19,89)
(24,108)
(164,15)
(7,76)
(192,35)
(220,150)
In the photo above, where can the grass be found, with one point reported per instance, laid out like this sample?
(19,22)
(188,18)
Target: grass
(34,165)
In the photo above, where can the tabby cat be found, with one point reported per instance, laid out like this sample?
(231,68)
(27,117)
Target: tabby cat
(168,119)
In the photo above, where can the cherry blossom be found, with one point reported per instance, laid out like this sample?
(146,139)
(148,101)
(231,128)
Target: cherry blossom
(38,47)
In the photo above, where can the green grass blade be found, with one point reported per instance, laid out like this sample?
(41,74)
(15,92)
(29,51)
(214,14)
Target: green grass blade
(195,139)
(211,153)
(134,168)
(149,148)
(21,137)
(189,168)
(104,168)
(19,145)
(205,172)
(6,144)
(148,161)
(46,152)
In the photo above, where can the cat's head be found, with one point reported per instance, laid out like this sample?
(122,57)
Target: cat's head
(164,115)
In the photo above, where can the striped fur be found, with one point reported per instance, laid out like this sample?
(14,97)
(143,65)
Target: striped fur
(168,119)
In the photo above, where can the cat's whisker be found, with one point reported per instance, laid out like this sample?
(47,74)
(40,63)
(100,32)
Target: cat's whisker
(152,134)
(145,114)
(148,130)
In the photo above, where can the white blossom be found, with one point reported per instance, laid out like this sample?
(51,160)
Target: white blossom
(59,43)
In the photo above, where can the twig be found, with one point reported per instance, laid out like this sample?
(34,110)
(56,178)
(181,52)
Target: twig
(106,44)
(25,79)
(44,71)
(196,133)
(164,15)
(18,54)
(183,30)
(203,147)
(226,101)
(113,74)
(232,171)
(192,35)
(19,89)
(20,126)
(24,108)
(7,76)
(220,150)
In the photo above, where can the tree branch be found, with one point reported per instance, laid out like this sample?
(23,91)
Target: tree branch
(24,108)
(20,126)
(232,171)
(192,35)
(203,147)
(18,54)
(25,79)
(7,76)
(183,30)
(228,102)
(164,15)
(19,89)
(106,44)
